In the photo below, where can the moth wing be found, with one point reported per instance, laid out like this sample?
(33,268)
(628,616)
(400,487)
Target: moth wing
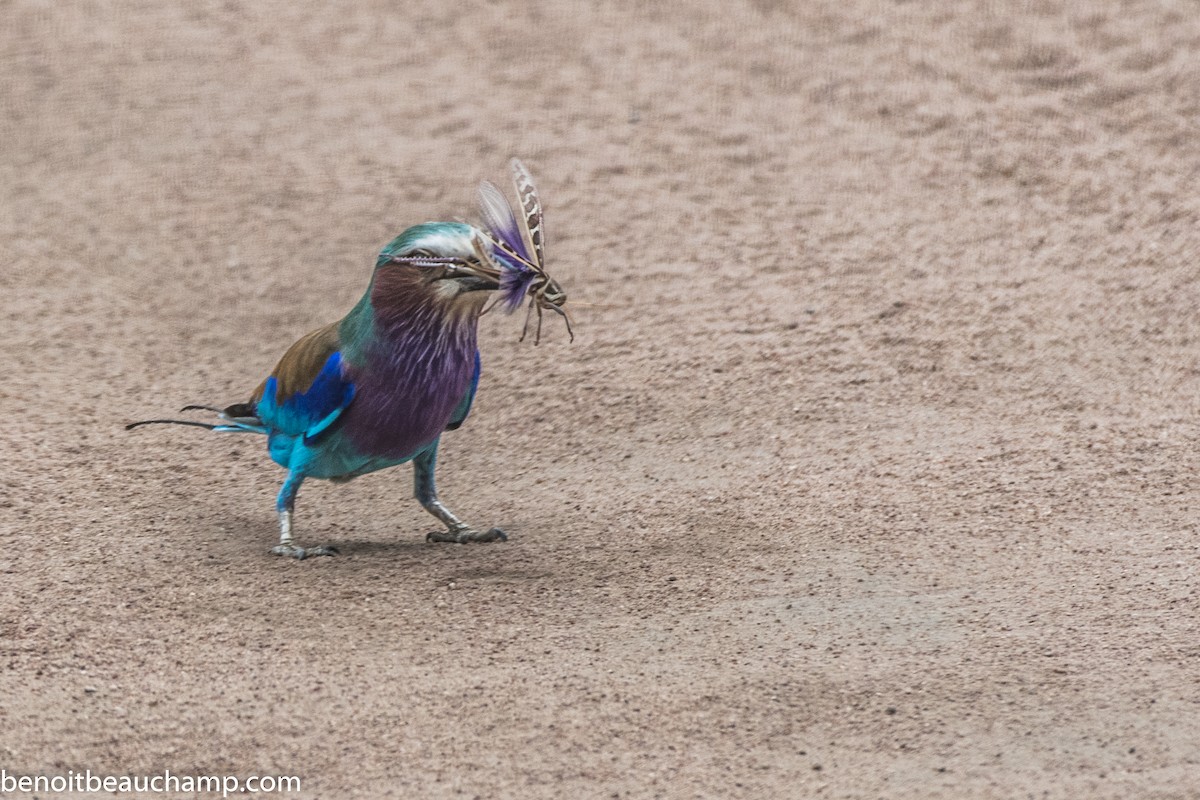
(531,208)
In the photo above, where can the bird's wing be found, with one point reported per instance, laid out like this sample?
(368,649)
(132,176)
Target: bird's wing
(308,389)
(464,406)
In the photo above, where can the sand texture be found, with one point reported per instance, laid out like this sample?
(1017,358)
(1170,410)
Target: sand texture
(871,472)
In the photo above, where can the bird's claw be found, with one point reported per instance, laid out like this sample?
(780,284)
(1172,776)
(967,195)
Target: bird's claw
(301,553)
(464,535)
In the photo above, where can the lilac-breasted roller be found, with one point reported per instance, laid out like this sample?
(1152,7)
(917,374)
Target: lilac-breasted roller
(379,387)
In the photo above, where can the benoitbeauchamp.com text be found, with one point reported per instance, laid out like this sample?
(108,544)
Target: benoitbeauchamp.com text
(167,782)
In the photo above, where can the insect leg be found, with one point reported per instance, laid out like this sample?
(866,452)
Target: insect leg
(537,339)
(525,327)
(562,312)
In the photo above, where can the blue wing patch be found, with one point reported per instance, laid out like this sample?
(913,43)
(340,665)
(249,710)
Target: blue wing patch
(308,414)
(464,406)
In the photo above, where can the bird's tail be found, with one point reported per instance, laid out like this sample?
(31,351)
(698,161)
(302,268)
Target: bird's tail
(238,418)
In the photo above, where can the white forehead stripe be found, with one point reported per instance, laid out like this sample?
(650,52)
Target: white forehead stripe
(446,244)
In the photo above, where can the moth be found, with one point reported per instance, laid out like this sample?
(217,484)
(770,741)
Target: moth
(516,247)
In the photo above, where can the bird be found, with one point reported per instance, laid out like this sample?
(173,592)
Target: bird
(379,387)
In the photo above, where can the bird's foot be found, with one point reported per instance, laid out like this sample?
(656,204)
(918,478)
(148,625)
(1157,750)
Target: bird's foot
(464,534)
(301,553)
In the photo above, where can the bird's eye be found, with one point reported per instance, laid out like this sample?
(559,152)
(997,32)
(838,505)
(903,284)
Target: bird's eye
(421,253)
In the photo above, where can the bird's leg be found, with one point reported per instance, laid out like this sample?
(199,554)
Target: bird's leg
(285,503)
(426,493)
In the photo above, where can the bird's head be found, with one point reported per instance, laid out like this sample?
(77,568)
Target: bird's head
(436,262)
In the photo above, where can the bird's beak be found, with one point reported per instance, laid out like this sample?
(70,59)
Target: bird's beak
(474,277)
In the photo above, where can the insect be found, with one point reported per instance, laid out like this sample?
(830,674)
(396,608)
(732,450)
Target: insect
(517,249)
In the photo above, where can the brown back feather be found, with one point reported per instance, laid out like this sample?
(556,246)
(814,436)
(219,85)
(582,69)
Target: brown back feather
(302,362)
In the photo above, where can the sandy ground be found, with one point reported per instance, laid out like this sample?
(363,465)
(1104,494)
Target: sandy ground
(870,473)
